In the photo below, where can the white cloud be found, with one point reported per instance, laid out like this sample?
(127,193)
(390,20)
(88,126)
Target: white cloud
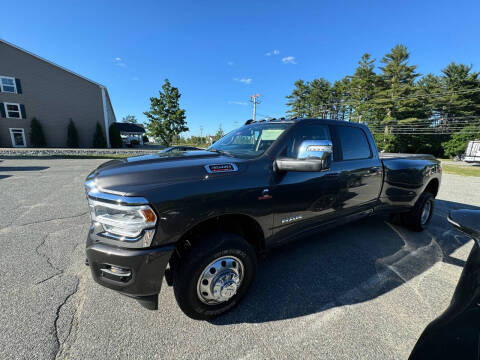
(230,63)
(274,52)
(135,78)
(289,60)
(119,62)
(246,81)
(237,102)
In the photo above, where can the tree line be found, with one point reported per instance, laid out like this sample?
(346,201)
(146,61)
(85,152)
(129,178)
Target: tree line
(406,111)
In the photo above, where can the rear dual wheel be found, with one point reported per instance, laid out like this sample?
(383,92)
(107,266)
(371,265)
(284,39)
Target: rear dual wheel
(214,275)
(420,215)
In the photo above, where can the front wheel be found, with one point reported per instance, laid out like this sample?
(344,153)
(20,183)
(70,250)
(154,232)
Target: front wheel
(214,275)
(421,214)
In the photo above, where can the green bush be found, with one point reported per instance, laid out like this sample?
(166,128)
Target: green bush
(115,138)
(37,138)
(459,141)
(99,140)
(72,135)
(145,139)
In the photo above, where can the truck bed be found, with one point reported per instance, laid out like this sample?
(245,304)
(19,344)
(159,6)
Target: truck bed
(389,156)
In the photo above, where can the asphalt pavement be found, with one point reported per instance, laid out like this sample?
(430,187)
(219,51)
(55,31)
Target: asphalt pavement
(365,290)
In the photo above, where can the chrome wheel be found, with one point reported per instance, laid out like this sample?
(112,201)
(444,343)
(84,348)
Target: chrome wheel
(220,280)
(427,209)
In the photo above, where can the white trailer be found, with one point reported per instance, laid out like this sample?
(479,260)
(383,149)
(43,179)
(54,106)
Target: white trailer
(472,154)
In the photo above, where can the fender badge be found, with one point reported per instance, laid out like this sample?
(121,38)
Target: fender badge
(221,168)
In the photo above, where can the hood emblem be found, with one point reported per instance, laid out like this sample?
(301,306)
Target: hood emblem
(221,168)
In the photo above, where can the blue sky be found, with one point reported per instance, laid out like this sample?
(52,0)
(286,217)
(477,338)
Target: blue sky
(220,52)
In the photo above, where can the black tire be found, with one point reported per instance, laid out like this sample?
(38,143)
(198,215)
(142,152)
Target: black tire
(190,267)
(413,219)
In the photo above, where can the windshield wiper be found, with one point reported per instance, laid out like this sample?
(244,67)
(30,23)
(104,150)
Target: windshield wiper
(223,152)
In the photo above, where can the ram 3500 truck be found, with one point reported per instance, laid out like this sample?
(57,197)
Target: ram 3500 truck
(201,218)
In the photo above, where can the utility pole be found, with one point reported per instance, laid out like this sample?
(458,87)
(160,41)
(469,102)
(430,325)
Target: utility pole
(201,130)
(254,100)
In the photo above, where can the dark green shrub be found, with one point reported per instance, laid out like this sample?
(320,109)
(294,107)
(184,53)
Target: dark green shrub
(72,135)
(145,139)
(37,138)
(115,138)
(459,140)
(99,140)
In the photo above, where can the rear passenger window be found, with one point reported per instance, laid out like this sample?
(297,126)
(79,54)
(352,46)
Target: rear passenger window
(354,143)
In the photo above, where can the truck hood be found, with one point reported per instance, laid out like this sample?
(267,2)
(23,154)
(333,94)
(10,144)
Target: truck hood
(133,176)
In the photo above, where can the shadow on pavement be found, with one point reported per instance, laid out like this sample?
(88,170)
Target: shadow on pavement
(347,265)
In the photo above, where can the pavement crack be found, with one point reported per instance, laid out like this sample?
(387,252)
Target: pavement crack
(58,344)
(63,347)
(7,227)
(57,270)
(48,278)
(54,219)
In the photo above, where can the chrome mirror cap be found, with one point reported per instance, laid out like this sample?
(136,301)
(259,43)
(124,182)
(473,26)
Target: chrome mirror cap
(315,149)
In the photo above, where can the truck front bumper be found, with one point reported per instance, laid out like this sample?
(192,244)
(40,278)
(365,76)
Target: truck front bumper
(136,273)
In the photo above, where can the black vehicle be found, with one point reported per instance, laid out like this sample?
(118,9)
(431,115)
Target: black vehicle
(455,333)
(201,218)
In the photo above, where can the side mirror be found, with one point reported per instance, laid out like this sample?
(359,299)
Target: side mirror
(313,155)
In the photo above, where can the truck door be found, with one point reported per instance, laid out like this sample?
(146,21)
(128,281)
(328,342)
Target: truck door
(360,171)
(302,200)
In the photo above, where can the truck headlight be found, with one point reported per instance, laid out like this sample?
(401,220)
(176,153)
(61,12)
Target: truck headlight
(122,220)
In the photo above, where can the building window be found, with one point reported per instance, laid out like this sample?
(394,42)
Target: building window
(18,137)
(8,84)
(13,110)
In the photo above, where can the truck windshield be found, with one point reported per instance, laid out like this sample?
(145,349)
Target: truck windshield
(249,141)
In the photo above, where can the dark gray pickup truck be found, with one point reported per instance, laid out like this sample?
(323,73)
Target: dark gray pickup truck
(201,218)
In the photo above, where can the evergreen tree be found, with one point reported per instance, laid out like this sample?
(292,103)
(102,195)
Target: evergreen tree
(397,95)
(37,138)
(429,90)
(319,98)
(166,119)
(340,108)
(362,90)
(115,137)
(72,135)
(299,100)
(460,86)
(130,119)
(99,141)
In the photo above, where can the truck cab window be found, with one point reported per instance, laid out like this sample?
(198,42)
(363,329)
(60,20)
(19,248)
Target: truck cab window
(306,132)
(354,143)
(251,140)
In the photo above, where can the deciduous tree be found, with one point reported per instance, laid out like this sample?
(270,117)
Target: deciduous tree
(166,119)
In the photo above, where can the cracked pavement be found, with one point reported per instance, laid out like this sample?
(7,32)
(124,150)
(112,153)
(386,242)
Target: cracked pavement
(366,290)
